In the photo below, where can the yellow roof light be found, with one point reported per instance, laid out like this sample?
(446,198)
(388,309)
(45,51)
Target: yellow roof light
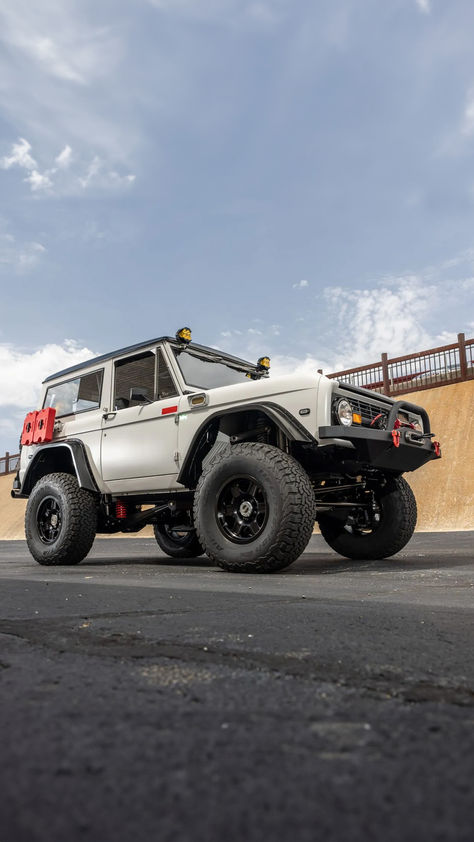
(184,335)
(263,364)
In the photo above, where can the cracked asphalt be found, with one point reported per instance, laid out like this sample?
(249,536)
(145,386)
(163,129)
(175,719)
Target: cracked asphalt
(144,698)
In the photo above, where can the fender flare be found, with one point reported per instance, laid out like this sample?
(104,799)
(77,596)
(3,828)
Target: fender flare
(282,418)
(78,456)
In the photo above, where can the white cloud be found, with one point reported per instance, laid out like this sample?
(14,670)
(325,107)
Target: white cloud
(61,78)
(293,365)
(99,176)
(63,160)
(39,181)
(468,123)
(386,318)
(62,178)
(22,372)
(19,156)
(398,315)
(424,6)
(301,284)
(53,36)
(18,257)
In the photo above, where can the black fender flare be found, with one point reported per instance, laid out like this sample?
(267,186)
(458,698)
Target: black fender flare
(48,454)
(281,417)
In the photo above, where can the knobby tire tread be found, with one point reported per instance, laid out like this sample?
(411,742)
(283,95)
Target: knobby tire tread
(298,515)
(386,541)
(81,527)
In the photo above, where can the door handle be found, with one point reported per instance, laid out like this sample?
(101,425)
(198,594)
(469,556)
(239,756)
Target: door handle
(107,415)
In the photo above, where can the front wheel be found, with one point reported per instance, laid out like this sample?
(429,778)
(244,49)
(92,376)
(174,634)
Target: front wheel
(254,509)
(375,535)
(60,520)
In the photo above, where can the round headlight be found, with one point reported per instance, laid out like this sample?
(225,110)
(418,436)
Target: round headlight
(344,413)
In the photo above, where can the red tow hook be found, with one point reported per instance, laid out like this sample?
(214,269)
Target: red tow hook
(437,448)
(396,437)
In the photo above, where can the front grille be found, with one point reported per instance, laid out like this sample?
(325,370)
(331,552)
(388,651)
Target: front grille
(368,412)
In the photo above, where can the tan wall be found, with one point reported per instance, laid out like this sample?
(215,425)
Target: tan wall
(12,512)
(444,489)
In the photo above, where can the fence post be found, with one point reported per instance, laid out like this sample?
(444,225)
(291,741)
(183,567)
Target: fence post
(7,462)
(386,379)
(462,355)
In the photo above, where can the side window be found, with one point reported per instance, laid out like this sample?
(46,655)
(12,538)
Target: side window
(166,386)
(137,372)
(78,395)
(88,394)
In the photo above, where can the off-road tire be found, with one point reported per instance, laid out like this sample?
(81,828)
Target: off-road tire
(77,510)
(289,504)
(398,520)
(186,546)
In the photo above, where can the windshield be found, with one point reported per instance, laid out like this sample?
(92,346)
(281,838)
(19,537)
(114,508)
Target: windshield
(205,373)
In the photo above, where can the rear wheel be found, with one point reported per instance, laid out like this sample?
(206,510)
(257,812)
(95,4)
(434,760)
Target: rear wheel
(254,509)
(378,533)
(60,520)
(177,543)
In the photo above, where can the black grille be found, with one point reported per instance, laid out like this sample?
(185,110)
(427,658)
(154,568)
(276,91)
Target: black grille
(368,411)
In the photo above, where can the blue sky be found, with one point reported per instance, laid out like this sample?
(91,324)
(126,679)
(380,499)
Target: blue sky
(292,177)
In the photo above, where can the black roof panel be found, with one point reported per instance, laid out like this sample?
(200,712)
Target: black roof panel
(140,346)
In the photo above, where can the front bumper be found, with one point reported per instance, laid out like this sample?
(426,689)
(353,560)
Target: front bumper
(396,448)
(381,449)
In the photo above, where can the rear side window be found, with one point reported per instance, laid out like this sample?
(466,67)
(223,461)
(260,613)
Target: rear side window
(147,372)
(78,395)
(133,372)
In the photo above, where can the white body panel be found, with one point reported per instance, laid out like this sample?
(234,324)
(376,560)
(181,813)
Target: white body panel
(291,393)
(140,441)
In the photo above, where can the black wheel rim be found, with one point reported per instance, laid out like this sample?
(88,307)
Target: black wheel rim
(49,520)
(242,509)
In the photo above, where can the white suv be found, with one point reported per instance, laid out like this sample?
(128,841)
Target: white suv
(220,457)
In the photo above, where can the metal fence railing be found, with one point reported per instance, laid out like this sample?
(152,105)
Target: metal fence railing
(9,463)
(413,372)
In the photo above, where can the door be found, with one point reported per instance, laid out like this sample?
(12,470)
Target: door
(140,433)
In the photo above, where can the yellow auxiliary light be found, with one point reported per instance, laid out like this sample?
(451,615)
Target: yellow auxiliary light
(356,418)
(263,364)
(184,335)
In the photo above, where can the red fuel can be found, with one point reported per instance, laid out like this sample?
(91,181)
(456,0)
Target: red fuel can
(44,425)
(28,431)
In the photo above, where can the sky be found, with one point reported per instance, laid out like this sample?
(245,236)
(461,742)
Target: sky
(288,177)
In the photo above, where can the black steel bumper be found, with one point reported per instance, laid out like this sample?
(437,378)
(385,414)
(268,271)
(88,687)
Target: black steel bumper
(398,450)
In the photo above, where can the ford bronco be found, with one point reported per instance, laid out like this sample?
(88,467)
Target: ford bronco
(219,457)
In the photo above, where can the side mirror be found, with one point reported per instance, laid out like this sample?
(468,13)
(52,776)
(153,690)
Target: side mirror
(140,394)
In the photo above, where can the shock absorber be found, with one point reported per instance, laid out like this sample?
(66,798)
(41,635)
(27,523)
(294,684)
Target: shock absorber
(120,510)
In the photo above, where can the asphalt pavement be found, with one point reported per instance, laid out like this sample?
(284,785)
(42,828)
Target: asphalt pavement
(143,698)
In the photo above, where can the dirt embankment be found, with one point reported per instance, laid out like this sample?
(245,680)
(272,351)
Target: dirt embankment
(444,489)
